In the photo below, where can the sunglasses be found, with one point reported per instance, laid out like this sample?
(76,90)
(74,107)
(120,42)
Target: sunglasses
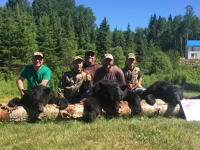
(89,54)
(38,57)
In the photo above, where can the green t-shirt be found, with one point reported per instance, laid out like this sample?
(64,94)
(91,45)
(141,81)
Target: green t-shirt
(33,77)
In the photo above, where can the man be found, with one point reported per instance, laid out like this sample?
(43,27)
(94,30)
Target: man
(35,74)
(109,71)
(90,64)
(75,84)
(133,75)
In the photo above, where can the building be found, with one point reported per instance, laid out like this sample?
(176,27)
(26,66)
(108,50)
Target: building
(192,49)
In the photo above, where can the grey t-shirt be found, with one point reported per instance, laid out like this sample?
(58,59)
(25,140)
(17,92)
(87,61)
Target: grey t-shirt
(115,74)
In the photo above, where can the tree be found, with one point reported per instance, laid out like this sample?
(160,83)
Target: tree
(103,42)
(119,58)
(84,24)
(196,29)
(115,38)
(174,57)
(160,63)
(129,41)
(141,44)
(169,36)
(18,34)
(152,28)
(176,32)
(23,5)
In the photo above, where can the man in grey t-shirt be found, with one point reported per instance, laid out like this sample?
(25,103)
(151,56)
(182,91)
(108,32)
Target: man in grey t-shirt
(109,71)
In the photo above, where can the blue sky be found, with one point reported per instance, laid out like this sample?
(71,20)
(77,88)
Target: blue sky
(136,12)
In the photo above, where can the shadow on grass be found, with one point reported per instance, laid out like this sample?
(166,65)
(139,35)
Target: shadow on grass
(192,87)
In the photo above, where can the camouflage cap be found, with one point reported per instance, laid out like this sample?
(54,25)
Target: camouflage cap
(130,55)
(77,57)
(108,56)
(38,54)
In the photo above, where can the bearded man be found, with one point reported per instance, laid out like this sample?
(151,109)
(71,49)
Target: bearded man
(109,71)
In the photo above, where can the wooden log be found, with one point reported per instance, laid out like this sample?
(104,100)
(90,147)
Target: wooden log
(51,111)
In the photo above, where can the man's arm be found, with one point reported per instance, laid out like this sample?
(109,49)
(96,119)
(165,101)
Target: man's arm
(44,82)
(139,79)
(46,78)
(20,84)
(121,77)
(140,83)
(97,76)
(61,86)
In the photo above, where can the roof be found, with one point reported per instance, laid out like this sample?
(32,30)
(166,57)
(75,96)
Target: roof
(193,42)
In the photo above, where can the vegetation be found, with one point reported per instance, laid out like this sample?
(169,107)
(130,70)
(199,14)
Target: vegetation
(117,133)
(61,30)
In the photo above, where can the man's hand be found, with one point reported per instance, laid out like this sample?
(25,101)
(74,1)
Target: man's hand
(68,88)
(88,77)
(21,92)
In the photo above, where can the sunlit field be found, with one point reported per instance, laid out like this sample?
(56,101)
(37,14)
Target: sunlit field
(117,133)
(128,132)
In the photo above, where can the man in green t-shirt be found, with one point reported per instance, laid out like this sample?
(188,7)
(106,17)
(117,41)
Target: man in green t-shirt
(35,74)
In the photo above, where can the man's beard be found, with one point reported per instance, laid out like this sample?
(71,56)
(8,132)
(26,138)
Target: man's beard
(107,66)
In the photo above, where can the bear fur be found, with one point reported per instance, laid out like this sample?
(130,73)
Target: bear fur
(36,98)
(106,95)
(164,90)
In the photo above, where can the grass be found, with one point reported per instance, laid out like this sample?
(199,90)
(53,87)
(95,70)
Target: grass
(117,133)
(190,94)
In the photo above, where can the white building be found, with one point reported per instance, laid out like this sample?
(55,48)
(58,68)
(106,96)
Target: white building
(192,49)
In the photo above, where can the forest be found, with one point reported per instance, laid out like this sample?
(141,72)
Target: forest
(62,30)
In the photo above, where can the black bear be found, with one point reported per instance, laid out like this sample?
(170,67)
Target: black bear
(106,95)
(36,98)
(164,90)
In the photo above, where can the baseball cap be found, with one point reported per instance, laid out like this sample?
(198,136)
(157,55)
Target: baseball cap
(89,51)
(37,54)
(77,57)
(108,56)
(130,55)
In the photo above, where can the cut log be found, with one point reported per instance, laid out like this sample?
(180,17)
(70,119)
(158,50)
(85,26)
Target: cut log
(51,111)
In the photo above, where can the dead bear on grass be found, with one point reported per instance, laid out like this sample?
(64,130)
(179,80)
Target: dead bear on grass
(106,95)
(35,100)
(164,90)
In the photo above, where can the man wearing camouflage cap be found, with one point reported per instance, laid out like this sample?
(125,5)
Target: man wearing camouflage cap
(108,70)
(75,84)
(35,74)
(133,75)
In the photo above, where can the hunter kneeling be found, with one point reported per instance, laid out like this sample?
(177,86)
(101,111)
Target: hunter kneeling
(75,84)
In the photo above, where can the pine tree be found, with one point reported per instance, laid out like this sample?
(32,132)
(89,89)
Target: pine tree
(103,42)
(18,36)
(119,58)
(129,41)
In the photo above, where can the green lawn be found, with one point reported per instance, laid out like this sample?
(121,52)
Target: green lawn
(156,133)
(117,133)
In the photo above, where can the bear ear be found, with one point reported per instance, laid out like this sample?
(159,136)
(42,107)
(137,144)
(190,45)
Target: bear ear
(47,90)
(26,92)
(101,85)
(161,89)
(123,87)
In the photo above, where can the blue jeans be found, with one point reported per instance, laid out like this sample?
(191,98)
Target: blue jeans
(139,90)
(79,98)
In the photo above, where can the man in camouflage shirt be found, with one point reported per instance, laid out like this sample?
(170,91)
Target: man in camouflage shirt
(75,84)
(133,75)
